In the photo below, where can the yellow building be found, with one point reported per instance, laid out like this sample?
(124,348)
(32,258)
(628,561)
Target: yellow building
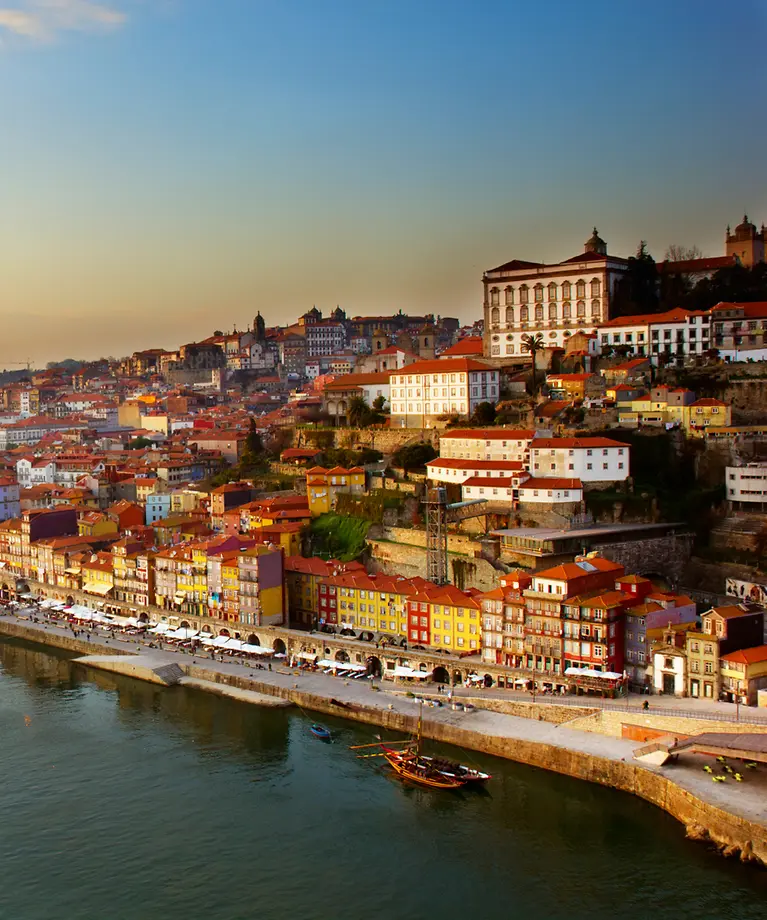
(98,574)
(95,524)
(743,673)
(323,486)
(664,407)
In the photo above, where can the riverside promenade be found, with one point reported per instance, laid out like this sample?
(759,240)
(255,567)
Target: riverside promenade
(729,815)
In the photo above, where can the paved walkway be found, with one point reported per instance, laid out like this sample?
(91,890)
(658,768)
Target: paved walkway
(747,799)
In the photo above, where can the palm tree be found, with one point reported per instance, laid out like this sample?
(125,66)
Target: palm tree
(532,344)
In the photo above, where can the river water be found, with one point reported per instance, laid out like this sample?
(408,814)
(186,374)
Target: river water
(121,800)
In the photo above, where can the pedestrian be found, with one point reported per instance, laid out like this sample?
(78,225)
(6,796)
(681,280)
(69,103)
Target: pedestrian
(270,666)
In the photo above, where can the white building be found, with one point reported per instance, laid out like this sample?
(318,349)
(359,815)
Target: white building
(747,486)
(587,459)
(740,330)
(677,333)
(30,472)
(558,300)
(487,443)
(426,390)
(9,499)
(324,338)
(451,469)
(542,491)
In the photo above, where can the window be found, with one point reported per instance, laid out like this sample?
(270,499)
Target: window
(509,315)
(523,294)
(566,311)
(581,308)
(523,314)
(495,316)
(552,291)
(708,667)
(539,311)
(566,290)
(494,296)
(580,289)
(595,288)
(538,293)
(552,311)
(509,292)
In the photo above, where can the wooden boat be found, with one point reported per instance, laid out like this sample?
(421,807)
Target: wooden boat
(453,768)
(319,731)
(411,768)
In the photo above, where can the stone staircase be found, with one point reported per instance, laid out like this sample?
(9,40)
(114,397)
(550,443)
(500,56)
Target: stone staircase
(169,674)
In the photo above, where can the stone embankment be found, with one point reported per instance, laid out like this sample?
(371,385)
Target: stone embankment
(569,753)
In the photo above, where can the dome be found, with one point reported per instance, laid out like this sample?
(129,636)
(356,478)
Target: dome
(746,226)
(595,244)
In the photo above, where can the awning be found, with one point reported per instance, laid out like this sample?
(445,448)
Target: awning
(159,629)
(401,671)
(307,656)
(220,641)
(341,665)
(183,633)
(257,649)
(179,596)
(73,571)
(587,672)
(93,587)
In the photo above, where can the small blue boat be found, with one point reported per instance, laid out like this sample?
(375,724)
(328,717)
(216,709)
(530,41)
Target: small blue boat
(319,731)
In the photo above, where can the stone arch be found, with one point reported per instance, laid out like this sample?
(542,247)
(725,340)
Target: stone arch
(223,632)
(206,630)
(143,617)
(341,655)
(440,675)
(375,668)
(457,678)
(279,647)
(488,681)
(70,600)
(184,624)
(253,639)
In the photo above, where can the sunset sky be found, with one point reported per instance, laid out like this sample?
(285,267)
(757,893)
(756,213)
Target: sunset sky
(168,167)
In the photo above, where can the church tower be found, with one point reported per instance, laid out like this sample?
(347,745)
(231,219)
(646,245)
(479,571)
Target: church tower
(746,243)
(259,327)
(426,344)
(380,341)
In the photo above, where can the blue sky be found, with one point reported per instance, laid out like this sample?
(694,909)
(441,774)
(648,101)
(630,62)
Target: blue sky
(172,166)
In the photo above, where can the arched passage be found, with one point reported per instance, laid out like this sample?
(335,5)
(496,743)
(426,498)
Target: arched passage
(143,618)
(223,632)
(70,600)
(487,680)
(440,675)
(253,639)
(184,624)
(457,678)
(279,647)
(341,655)
(374,666)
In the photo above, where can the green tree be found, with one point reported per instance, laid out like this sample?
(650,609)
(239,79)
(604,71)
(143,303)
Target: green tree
(253,442)
(139,443)
(484,414)
(637,289)
(532,344)
(358,412)
(414,457)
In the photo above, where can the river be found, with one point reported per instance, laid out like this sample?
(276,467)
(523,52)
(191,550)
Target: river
(125,800)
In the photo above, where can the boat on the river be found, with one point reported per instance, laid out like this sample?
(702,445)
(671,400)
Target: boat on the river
(407,760)
(319,731)
(412,767)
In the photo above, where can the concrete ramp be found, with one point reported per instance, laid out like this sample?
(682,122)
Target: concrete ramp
(143,667)
(236,693)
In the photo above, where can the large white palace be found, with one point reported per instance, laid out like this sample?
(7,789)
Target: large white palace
(524,298)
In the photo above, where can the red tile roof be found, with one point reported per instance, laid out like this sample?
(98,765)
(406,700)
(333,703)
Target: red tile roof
(543,483)
(490,434)
(747,655)
(471,345)
(552,443)
(445,365)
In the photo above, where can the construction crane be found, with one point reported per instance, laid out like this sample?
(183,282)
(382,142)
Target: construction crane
(27,363)
(440,513)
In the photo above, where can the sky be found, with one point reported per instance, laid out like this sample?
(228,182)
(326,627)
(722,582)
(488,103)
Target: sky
(170,167)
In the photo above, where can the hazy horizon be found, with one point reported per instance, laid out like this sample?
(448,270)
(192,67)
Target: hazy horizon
(172,167)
